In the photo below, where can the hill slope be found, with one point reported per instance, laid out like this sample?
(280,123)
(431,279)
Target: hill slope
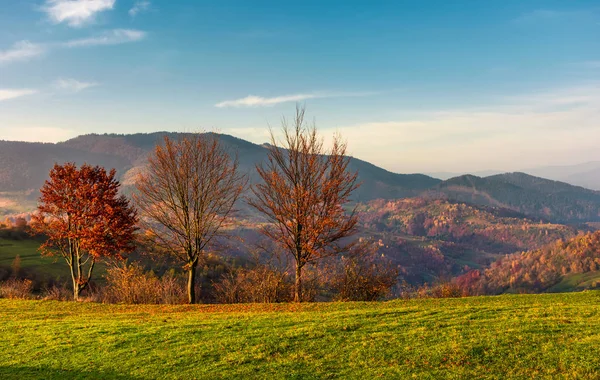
(432,239)
(479,337)
(24,166)
(564,266)
(586,174)
(533,196)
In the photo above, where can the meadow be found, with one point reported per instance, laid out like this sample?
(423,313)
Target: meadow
(509,336)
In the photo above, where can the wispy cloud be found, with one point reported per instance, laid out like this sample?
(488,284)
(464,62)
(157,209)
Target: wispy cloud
(73,85)
(259,101)
(112,37)
(555,126)
(551,15)
(75,12)
(11,93)
(139,7)
(26,50)
(21,51)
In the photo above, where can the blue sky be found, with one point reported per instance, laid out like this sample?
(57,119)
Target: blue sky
(414,86)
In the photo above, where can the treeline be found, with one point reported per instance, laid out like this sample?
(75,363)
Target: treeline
(184,207)
(149,277)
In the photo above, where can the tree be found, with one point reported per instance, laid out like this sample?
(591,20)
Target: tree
(187,196)
(84,219)
(303,192)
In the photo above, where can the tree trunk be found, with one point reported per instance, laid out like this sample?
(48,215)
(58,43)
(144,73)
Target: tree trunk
(75,290)
(191,290)
(298,284)
(73,269)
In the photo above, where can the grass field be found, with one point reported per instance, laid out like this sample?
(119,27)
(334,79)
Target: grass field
(31,258)
(42,268)
(512,336)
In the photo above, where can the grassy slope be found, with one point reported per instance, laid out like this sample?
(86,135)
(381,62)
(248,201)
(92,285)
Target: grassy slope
(42,268)
(31,257)
(534,336)
(577,282)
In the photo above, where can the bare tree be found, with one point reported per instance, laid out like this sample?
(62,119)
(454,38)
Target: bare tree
(187,196)
(303,193)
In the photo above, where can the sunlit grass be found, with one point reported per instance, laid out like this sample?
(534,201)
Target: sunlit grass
(530,336)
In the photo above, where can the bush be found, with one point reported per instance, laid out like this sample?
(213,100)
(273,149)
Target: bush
(261,284)
(129,283)
(441,290)
(363,275)
(57,293)
(16,289)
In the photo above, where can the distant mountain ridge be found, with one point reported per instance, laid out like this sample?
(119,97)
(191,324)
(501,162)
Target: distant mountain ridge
(532,196)
(24,167)
(586,174)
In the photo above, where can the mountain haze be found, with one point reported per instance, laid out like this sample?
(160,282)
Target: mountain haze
(24,167)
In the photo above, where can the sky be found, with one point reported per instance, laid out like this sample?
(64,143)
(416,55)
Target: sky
(413,86)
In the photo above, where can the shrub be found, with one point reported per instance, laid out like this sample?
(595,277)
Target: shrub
(261,284)
(129,283)
(16,266)
(16,289)
(362,276)
(57,293)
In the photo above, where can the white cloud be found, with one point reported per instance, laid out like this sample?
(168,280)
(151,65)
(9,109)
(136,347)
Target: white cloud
(21,51)
(9,93)
(37,134)
(559,126)
(139,7)
(112,37)
(76,12)
(259,101)
(73,85)
(25,50)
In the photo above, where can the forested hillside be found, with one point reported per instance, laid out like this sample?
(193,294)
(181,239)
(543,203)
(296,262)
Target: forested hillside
(566,265)
(433,239)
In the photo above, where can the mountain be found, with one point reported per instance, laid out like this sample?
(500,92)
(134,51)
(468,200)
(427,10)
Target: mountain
(25,166)
(447,175)
(434,238)
(532,196)
(586,174)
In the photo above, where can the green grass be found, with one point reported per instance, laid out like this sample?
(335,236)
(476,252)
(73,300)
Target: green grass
(42,268)
(513,336)
(31,257)
(577,281)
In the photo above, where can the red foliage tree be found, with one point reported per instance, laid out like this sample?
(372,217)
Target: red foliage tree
(84,218)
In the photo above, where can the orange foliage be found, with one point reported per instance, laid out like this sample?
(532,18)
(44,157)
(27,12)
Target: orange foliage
(84,219)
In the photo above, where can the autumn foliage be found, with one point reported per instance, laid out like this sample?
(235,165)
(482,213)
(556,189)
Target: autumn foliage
(303,192)
(84,219)
(535,271)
